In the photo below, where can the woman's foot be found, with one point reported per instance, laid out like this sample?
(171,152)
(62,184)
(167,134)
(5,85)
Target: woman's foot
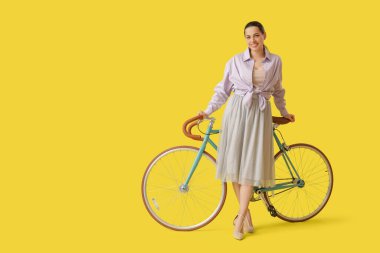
(238,229)
(248,222)
(247,226)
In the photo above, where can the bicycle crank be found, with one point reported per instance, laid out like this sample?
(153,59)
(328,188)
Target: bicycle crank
(272,211)
(270,208)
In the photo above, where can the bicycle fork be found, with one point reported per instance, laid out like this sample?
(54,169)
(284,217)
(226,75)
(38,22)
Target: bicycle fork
(184,187)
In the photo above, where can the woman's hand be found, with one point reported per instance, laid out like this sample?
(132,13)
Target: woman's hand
(290,117)
(203,114)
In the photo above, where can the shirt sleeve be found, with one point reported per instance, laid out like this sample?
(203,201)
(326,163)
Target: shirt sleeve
(279,92)
(222,91)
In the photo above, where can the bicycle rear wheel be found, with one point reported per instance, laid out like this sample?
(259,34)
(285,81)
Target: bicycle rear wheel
(301,203)
(177,208)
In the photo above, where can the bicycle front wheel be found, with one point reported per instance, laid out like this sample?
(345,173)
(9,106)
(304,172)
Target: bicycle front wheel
(176,207)
(300,203)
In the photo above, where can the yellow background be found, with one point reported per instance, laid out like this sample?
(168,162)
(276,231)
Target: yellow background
(91,91)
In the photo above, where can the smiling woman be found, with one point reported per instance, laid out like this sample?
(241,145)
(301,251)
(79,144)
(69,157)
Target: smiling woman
(254,41)
(254,34)
(245,151)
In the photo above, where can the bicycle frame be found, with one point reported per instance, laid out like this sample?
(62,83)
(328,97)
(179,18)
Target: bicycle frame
(282,146)
(161,189)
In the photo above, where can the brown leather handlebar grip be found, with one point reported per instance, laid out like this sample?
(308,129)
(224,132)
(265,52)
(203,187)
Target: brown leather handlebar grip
(187,130)
(280,120)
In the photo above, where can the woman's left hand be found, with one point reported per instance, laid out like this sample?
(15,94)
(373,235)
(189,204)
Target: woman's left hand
(290,117)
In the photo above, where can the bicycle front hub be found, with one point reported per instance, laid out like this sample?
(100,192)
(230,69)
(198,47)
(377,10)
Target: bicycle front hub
(184,188)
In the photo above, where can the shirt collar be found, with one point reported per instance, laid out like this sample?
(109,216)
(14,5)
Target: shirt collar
(247,56)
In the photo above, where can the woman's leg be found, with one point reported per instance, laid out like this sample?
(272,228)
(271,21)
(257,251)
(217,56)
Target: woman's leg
(236,187)
(244,198)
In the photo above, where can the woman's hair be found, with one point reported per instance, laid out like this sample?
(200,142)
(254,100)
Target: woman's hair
(258,25)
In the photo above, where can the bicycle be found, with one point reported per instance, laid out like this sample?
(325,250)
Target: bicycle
(180,191)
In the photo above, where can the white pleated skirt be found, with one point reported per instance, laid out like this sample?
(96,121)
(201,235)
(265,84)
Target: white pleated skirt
(245,151)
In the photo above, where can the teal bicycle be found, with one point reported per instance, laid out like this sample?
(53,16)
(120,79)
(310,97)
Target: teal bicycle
(180,191)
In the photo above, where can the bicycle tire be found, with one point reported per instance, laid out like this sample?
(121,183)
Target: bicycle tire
(153,207)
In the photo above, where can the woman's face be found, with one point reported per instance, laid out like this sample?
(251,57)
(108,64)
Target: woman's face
(254,37)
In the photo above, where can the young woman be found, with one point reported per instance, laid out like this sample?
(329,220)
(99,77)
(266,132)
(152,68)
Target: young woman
(245,150)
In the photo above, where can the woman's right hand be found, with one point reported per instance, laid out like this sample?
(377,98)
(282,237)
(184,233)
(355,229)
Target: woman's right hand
(203,114)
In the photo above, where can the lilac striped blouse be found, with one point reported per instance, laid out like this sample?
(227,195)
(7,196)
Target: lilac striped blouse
(238,78)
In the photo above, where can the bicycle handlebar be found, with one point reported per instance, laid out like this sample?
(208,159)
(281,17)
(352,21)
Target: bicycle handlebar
(187,132)
(192,121)
(280,120)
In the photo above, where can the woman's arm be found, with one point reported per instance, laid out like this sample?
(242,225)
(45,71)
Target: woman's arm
(279,92)
(222,91)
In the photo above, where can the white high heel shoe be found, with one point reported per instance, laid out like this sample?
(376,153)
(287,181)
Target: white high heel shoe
(237,234)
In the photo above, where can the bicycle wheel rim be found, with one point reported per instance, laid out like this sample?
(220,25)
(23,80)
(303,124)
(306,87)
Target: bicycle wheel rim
(166,206)
(300,204)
